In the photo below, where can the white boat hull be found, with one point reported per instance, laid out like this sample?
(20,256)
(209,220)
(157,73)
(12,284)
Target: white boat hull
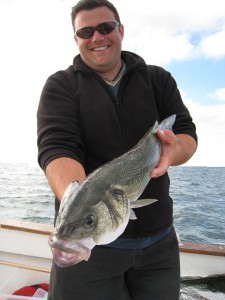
(25,256)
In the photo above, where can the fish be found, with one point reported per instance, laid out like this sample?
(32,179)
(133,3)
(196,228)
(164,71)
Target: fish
(97,211)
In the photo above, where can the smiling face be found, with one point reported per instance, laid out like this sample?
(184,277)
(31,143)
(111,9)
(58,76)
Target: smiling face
(102,53)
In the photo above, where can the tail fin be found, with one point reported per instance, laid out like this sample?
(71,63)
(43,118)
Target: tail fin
(167,123)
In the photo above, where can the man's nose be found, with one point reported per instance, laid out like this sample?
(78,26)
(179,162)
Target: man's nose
(97,36)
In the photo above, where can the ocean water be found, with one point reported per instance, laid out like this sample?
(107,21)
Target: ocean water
(198,194)
(199,203)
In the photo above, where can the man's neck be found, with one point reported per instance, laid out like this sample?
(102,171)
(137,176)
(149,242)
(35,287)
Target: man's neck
(118,77)
(111,75)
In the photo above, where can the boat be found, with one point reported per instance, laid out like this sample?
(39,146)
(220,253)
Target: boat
(25,258)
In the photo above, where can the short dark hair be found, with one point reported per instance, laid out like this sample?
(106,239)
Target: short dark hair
(91,4)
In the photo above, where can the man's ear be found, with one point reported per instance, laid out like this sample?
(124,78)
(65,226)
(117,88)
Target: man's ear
(121,31)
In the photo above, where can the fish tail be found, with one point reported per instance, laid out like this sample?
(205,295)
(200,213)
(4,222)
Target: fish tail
(165,124)
(168,122)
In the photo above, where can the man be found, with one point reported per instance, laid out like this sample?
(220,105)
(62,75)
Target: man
(92,112)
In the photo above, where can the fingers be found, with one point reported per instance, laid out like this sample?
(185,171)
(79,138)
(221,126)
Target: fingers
(168,150)
(161,168)
(166,136)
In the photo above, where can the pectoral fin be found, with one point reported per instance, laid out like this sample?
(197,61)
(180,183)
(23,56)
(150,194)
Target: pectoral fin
(142,202)
(132,215)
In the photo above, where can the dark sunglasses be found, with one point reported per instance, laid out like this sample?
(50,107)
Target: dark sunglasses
(103,28)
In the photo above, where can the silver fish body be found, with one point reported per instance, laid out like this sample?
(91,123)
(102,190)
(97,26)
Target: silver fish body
(98,210)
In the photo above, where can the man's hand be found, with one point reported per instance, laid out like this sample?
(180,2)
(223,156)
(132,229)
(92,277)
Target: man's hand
(176,150)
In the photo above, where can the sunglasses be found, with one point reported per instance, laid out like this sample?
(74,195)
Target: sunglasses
(103,28)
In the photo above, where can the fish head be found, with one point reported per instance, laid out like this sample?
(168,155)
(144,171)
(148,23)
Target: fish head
(80,227)
(72,241)
(92,214)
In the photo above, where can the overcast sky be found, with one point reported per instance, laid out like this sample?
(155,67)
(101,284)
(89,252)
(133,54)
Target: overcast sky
(187,38)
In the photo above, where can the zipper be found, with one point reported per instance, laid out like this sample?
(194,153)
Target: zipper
(121,115)
(123,123)
(122,120)
(119,109)
(117,102)
(138,230)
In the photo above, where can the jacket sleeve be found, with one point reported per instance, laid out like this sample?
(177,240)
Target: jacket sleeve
(58,121)
(169,101)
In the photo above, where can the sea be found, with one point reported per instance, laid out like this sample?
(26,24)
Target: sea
(198,195)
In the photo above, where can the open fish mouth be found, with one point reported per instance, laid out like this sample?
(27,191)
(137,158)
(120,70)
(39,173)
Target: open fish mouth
(68,253)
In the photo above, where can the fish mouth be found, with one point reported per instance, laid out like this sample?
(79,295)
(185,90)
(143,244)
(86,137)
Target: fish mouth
(67,253)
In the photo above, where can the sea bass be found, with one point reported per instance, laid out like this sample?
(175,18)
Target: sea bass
(97,211)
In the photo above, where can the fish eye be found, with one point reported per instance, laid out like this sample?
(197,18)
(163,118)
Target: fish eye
(89,221)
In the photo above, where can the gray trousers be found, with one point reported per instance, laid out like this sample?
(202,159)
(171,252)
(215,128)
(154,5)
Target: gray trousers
(152,273)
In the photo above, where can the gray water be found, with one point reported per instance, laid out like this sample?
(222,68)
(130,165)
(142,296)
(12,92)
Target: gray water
(198,194)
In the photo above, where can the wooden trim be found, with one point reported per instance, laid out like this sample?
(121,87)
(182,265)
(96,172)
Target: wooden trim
(27,226)
(217,250)
(22,266)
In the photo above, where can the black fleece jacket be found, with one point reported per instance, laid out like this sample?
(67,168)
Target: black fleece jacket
(79,117)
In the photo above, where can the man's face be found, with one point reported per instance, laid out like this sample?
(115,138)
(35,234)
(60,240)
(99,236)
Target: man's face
(102,53)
